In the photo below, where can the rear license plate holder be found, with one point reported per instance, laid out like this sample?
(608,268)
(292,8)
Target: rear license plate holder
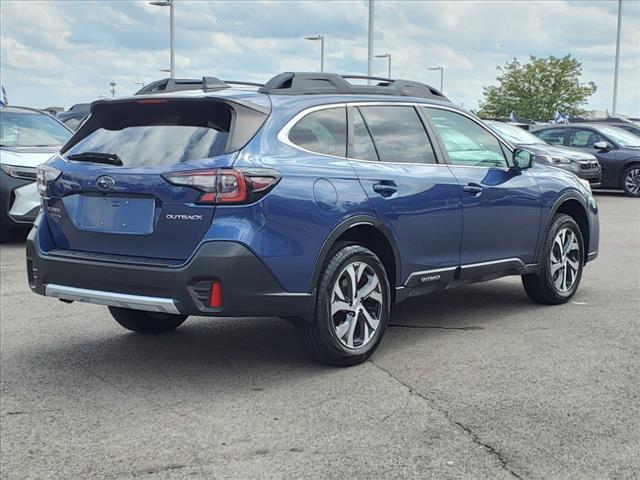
(122,215)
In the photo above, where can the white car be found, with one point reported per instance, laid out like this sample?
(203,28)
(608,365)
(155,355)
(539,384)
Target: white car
(28,138)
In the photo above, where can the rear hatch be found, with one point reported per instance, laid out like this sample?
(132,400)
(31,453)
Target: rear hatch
(115,196)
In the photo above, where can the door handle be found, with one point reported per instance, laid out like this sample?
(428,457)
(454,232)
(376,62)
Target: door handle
(473,189)
(386,188)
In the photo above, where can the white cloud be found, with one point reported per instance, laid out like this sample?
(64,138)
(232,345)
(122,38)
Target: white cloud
(19,56)
(77,48)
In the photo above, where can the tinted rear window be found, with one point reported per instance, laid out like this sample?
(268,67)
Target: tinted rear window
(324,131)
(157,134)
(554,136)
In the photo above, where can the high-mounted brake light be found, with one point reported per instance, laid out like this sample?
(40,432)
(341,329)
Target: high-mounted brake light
(151,100)
(226,185)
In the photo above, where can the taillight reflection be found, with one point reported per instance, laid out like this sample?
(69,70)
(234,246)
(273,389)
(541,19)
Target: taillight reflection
(44,175)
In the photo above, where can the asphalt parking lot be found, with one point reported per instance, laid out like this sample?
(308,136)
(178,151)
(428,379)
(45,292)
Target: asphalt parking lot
(471,383)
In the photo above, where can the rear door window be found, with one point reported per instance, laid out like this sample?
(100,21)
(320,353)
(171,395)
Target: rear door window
(361,146)
(398,134)
(157,133)
(323,131)
(584,138)
(554,136)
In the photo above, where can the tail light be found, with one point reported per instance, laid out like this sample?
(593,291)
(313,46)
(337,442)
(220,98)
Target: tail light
(44,175)
(226,186)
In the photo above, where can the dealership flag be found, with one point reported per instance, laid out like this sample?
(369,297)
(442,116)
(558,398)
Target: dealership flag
(560,118)
(3,101)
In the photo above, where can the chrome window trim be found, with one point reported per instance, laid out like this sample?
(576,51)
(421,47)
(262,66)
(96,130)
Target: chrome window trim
(283,134)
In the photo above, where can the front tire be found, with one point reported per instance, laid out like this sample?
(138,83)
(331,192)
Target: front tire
(146,322)
(631,181)
(561,264)
(352,308)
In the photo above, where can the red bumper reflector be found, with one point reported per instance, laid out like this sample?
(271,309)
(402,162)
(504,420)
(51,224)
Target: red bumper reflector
(215,297)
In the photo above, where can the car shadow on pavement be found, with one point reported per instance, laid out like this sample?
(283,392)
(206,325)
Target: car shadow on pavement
(240,352)
(17,237)
(468,308)
(608,193)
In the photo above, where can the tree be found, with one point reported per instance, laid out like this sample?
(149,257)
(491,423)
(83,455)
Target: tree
(537,89)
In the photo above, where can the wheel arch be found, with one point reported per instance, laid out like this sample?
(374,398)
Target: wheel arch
(371,233)
(573,205)
(628,163)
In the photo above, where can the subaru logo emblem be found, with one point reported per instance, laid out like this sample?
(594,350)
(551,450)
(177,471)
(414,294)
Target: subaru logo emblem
(105,182)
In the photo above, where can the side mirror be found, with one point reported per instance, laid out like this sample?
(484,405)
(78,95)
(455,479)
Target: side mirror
(602,145)
(522,159)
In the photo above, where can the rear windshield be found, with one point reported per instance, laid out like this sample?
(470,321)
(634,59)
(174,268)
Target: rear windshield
(146,134)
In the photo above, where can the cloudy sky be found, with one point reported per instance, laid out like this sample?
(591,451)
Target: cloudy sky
(65,52)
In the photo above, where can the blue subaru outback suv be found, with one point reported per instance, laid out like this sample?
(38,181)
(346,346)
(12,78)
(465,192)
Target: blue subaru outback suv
(310,198)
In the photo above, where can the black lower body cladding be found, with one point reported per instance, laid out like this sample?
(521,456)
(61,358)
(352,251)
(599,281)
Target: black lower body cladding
(248,287)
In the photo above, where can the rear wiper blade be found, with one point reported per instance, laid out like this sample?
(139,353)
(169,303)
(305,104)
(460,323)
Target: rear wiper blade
(96,157)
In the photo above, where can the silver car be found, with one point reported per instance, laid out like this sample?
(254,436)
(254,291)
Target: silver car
(28,138)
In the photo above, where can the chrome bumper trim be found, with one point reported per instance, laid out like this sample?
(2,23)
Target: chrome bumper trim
(112,299)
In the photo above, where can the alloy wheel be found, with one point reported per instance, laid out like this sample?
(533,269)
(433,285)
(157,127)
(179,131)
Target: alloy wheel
(356,305)
(565,260)
(632,181)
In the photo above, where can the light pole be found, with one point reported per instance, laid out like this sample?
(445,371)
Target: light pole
(112,84)
(169,3)
(321,38)
(388,56)
(441,76)
(370,43)
(615,75)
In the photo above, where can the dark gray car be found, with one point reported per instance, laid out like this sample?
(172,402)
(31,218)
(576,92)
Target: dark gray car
(584,165)
(617,150)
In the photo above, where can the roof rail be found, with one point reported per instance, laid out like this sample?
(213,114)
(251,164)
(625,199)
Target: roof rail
(306,83)
(167,85)
(599,120)
(250,84)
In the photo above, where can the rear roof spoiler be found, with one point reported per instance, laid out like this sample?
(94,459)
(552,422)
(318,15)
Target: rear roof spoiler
(246,121)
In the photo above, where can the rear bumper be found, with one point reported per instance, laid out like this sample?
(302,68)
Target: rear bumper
(248,288)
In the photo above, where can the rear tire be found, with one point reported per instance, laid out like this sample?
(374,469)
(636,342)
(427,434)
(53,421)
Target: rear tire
(560,265)
(352,308)
(146,322)
(631,180)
